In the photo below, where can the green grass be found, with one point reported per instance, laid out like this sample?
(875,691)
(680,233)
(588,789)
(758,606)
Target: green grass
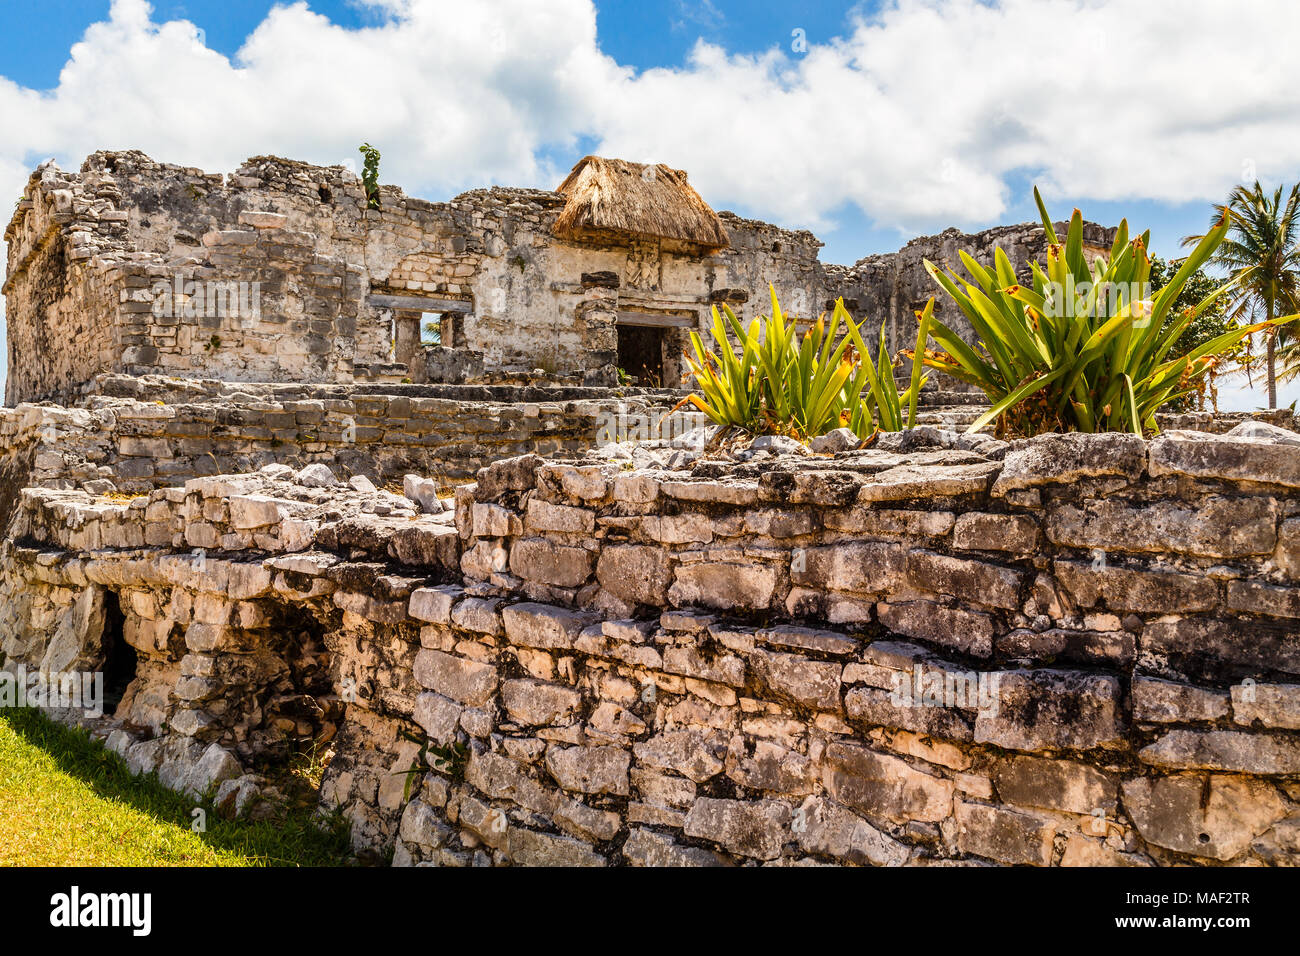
(67,801)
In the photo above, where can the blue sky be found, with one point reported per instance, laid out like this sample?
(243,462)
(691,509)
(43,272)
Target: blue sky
(869,123)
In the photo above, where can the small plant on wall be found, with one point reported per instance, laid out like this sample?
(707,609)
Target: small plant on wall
(370,175)
(1087,346)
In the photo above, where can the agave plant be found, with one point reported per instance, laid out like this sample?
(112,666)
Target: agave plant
(731,387)
(802,386)
(1085,348)
(880,404)
(803,378)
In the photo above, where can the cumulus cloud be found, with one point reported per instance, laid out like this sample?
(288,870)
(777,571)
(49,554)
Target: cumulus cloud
(920,114)
(455,94)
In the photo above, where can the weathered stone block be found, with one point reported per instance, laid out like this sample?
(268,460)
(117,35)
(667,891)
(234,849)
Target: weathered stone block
(648,848)
(880,707)
(1048,709)
(479,615)
(1253,597)
(548,516)
(929,481)
(1168,702)
(712,492)
(868,567)
(967,631)
(1007,836)
(433,604)
(1217,527)
(685,528)
(1215,816)
(1224,750)
(696,755)
(723,585)
(826,829)
(1067,458)
(255,511)
(635,574)
(721,668)
(1056,785)
(466,681)
(438,716)
(506,475)
(493,521)
(811,683)
(535,702)
(501,778)
(1059,644)
(531,848)
(975,581)
(1130,589)
(979,531)
(1214,649)
(1272,705)
(538,559)
(590,769)
(809,639)
(752,829)
(1233,458)
(884,786)
(544,626)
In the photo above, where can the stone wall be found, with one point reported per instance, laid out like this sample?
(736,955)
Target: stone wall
(1074,650)
(132,435)
(61,308)
(280,272)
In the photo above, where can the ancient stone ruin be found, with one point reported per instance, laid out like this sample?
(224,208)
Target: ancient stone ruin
(594,638)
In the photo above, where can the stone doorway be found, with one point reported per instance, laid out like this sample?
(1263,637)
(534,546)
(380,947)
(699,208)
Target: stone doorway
(119,657)
(641,354)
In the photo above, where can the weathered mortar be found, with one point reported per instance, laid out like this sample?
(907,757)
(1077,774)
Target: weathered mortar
(676,668)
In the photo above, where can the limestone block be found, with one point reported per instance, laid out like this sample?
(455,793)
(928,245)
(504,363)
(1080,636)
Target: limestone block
(1215,816)
(757,829)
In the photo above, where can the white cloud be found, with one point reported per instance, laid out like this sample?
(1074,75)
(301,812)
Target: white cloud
(453,101)
(919,115)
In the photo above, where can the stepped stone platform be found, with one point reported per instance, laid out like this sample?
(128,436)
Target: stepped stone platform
(1071,650)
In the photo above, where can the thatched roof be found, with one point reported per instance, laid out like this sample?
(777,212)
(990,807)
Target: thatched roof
(613,199)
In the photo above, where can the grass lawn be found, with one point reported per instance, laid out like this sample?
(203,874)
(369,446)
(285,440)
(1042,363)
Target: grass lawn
(67,801)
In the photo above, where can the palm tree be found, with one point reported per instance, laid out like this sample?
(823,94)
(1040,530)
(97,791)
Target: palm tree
(1261,255)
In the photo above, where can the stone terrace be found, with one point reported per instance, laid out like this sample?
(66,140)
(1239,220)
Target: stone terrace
(1072,650)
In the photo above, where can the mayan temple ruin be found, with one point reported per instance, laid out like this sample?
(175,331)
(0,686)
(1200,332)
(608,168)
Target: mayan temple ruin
(296,464)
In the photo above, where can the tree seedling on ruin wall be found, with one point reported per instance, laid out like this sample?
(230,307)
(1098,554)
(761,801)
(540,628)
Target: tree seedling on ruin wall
(448,760)
(370,175)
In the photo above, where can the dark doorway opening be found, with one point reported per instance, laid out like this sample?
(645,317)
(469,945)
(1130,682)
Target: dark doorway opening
(301,709)
(641,354)
(407,349)
(120,659)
